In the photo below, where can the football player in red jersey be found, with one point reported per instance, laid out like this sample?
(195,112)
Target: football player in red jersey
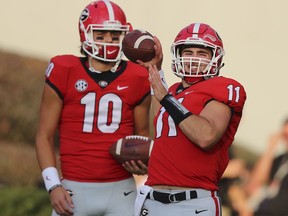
(93,101)
(195,124)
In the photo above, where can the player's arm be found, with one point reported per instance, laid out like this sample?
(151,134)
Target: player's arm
(261,172)
(208,127)
(50,111)
(141,117)
(204,129)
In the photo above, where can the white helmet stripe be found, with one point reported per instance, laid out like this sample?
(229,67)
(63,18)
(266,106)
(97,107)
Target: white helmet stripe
(110,10)
(196,30)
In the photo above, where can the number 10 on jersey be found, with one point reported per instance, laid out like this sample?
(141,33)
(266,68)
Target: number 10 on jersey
(109,113)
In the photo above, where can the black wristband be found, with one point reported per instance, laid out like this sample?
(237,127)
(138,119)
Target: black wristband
(53,187)
(175,109)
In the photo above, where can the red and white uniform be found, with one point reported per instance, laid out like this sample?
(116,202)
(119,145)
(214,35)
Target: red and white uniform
(97,111)
(175,160)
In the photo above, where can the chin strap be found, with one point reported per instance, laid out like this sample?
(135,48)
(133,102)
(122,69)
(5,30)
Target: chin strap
(113,69)
(221,66)
(91,68)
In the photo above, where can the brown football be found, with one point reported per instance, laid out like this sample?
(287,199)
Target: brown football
(138,45)
(132,148)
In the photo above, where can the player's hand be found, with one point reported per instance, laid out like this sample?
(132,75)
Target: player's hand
(61,201)
(138,168)
(156,83)
(158,59)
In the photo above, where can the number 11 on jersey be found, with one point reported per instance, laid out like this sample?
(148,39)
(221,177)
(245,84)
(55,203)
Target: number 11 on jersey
(231,90)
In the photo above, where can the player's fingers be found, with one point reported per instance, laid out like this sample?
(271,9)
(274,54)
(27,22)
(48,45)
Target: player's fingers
(134,165)
(58,208)
(151,74)
(141,164)
(128,166)
(69,199)
(143,167)
(158,51)
(66,209)
(156,83)
(140,63)
(145,64)
(139,168)
(156,80)
(157,44)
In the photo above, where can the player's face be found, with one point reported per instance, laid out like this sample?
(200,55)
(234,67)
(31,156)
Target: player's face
(107,36)
(200,58)
(107,44)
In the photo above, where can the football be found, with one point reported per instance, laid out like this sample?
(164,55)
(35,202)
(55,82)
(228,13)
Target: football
(132,148)
(138,45)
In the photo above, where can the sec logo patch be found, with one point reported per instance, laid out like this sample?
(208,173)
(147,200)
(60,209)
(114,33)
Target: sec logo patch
(81,85)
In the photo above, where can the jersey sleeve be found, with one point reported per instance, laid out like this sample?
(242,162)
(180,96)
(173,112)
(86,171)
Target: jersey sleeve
(228,91)
(57,73)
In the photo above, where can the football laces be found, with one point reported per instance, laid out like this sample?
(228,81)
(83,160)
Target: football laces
(137,137)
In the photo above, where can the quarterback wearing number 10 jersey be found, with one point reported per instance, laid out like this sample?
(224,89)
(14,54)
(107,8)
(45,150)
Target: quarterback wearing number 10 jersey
(186,164)
(96,113)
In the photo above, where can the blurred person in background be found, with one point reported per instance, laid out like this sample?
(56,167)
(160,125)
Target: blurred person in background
(268,184)
(93,101)
(231,188)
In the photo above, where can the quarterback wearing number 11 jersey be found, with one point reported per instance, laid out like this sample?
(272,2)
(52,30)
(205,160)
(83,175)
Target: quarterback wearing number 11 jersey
(190,165)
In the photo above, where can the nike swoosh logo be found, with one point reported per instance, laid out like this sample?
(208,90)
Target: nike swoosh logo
(197,212)
(111,51)
(188,92)
(48,178)
(127,193)
(129,145)
(119,88)
(163,80)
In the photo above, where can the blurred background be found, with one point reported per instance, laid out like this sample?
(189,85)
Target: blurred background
(254,35)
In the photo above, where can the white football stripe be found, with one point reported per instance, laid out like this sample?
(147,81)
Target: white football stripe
(151,147)
(140,39)
(118,146)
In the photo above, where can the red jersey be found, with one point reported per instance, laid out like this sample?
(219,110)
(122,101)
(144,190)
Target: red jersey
(97,111)
(175,160)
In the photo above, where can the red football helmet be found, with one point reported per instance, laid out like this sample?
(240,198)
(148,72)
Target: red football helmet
(197,35)
(102,15)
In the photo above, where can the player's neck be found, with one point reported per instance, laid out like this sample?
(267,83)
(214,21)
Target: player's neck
(100,65)
(185,84)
